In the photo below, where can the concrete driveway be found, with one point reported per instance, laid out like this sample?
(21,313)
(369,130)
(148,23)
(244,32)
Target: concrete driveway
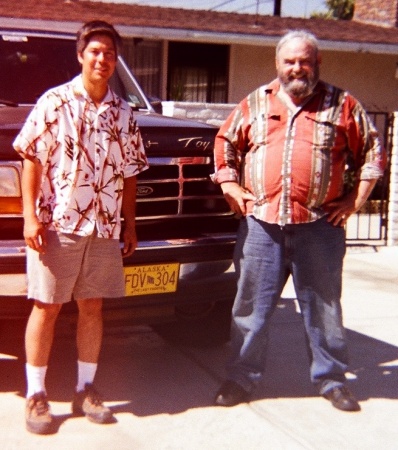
(162,393)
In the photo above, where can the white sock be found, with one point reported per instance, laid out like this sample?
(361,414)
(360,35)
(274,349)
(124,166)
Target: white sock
(35,377)
(85,374)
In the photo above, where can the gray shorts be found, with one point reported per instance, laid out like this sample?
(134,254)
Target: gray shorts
(75,267)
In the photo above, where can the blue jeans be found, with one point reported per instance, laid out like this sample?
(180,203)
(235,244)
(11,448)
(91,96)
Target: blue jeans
(265,256)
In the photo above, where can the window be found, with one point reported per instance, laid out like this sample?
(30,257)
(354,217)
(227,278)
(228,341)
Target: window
(144,58)
(30,65)
(197,72)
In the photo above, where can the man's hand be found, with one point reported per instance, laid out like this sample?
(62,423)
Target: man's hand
(34,234)
(341,209)
(237,197)
(129,241)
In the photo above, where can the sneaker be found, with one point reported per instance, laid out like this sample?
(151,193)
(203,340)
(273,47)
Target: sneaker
(88,403)
(38,415)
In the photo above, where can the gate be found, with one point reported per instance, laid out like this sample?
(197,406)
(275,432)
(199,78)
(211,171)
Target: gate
(369,224)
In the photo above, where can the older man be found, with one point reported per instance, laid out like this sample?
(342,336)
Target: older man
(280,158)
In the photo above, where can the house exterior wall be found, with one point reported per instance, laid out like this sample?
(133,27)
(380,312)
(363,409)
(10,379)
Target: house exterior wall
(369,77)
(249,68)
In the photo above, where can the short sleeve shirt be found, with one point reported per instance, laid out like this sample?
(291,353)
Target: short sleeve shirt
(86,152)
(295,162)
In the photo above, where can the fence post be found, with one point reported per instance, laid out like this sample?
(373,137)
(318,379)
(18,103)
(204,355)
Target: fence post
(392,238)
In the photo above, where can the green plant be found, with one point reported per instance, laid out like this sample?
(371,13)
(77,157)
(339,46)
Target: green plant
(338,9)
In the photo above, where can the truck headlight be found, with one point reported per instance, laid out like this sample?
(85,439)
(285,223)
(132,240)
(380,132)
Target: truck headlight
(10,187)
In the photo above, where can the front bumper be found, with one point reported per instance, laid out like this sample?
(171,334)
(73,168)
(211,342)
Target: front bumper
(12,268)
(206,274)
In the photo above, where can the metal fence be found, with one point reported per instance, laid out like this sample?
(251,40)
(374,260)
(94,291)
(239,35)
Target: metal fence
(370,223)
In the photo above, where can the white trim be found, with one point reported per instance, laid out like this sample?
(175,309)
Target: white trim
(392,238)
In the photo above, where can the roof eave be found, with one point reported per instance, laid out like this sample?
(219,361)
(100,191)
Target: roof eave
(174,34)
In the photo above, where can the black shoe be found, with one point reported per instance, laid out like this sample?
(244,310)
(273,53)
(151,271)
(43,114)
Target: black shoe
(231,394)
(342,398)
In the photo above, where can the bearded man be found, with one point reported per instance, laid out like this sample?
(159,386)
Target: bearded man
(280,159)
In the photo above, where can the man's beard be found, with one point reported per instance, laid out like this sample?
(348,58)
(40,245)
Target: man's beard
(300,87)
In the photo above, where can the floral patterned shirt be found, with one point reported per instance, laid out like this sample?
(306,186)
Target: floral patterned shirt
(86,152)
(295,162)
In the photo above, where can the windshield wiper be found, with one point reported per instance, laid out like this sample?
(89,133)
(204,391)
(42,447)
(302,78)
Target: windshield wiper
(8,103)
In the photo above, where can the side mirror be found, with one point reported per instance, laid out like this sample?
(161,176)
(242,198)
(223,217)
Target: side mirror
(156,104)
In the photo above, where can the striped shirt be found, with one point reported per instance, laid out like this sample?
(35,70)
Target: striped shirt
(294,162)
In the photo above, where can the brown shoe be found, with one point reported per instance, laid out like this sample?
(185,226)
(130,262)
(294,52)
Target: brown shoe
(38,415)
(88,403)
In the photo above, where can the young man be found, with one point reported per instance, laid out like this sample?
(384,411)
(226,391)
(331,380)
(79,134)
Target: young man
(82,151)
(280,159)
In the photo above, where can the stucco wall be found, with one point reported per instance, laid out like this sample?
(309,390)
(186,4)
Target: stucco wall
(250,67)
(369,77)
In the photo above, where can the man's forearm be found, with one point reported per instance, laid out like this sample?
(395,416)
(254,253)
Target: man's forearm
(30,184)
(364,189)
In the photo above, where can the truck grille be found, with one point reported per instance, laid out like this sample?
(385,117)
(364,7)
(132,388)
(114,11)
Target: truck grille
(179,187)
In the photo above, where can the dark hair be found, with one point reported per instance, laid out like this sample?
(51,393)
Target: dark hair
(97,27)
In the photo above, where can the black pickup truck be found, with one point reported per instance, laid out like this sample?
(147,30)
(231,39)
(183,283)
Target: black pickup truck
(180,277)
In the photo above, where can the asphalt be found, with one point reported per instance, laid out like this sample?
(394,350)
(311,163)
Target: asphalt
(162,393)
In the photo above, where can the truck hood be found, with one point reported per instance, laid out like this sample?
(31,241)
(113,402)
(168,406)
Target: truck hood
(11,121)
(162,136)
(168,136)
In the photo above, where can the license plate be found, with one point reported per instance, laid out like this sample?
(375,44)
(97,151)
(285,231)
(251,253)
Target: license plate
(151,279)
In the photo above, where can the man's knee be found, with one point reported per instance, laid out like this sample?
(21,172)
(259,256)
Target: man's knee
(46,311)
(90,307)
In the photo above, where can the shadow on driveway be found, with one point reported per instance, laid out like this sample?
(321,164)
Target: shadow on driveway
(142,374)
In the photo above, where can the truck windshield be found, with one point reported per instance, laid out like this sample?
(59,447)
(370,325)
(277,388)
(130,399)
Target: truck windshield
(30,65)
